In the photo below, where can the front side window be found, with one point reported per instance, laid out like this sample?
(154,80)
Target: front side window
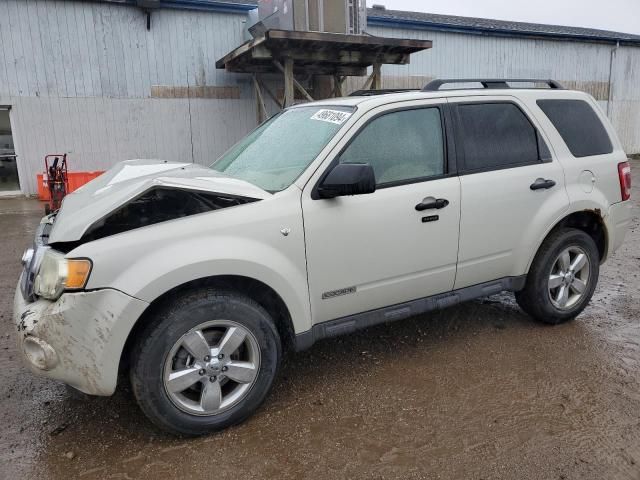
(400,146)
(274,155)
(496,135)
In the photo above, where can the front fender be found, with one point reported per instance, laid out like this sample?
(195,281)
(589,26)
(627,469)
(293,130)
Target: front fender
(262,240)
(175,265)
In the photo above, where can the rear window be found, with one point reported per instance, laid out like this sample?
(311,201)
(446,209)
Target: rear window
(497,135)
(578,125)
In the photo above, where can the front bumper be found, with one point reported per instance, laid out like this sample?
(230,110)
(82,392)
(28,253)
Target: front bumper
(77,339)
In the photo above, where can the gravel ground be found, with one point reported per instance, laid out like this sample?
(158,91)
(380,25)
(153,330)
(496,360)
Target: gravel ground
(478,391)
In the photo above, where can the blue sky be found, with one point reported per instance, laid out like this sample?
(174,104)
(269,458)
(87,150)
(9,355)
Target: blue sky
(617,15)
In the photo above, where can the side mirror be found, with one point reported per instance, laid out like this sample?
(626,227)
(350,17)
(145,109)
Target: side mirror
(348,179)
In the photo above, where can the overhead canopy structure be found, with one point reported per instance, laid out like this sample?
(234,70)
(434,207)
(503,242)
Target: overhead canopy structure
(293,53)
(319,53)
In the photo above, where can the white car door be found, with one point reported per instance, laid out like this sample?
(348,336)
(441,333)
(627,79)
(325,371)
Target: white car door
(375,250)
(512,189)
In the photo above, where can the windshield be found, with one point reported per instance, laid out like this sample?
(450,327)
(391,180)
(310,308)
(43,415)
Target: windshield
(278,151)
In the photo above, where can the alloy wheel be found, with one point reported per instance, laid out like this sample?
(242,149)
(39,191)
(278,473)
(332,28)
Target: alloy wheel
(569,277)
(212,367)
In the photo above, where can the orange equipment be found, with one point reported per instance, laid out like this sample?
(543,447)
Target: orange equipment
(56,178)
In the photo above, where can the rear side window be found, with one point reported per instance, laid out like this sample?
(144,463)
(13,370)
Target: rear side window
(578,125)
(496,135)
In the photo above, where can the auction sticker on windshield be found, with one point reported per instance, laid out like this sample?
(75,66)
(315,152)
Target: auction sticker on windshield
(332,116)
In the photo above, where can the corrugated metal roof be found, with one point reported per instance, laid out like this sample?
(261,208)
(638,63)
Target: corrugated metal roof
(490,26)
(431,21)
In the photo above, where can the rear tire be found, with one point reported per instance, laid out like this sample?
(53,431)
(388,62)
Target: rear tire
(207,363)
(562,278)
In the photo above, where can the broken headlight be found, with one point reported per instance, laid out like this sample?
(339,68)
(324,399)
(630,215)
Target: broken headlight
(58,273)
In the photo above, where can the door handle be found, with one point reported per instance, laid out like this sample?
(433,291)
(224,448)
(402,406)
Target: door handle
(432,202)
(542,183)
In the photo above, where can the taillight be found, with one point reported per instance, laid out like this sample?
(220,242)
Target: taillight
(624,172)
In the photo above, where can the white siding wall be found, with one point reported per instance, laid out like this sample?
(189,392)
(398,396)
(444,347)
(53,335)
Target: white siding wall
(585,66)
(625,91)
(78,76)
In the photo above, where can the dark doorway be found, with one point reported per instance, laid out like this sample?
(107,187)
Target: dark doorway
(8,167)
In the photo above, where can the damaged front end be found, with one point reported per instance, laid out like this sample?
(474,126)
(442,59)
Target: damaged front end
(139,193)
(70,338)
(73,333)
(132,195)
(78,338)
(155,205)
(158,205)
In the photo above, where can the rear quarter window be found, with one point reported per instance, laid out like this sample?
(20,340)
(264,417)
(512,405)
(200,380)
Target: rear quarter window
(578,125)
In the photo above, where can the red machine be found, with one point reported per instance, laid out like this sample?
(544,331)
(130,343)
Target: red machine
(57,179)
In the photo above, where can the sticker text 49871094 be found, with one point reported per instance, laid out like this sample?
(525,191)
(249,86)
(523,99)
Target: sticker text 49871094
(332,116)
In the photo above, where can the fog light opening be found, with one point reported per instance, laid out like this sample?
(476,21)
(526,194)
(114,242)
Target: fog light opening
(39,353)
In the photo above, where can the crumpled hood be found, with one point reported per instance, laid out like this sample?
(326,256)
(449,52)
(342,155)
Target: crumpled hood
(128,179)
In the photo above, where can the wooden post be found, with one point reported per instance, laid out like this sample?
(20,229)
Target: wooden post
(367,84)
(288,82)
(338,80)
(296,84)
(261,109)
(377,76)
(270,94)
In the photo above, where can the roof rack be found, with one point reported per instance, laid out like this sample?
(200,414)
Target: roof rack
(383,91)
(435,85)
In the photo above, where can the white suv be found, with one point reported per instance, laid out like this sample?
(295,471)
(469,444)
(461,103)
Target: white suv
(330,217)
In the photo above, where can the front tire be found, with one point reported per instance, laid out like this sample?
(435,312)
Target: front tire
(562,278)
(207,363)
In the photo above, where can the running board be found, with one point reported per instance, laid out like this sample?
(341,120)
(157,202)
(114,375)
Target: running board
(400,311)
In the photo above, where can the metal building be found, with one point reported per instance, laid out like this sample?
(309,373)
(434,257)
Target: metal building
(108,80)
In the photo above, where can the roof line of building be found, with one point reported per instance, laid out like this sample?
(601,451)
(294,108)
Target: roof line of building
(499,32)
(422,21)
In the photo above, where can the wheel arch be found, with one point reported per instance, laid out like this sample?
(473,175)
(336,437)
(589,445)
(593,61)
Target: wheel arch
(590,221)
(259,291)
